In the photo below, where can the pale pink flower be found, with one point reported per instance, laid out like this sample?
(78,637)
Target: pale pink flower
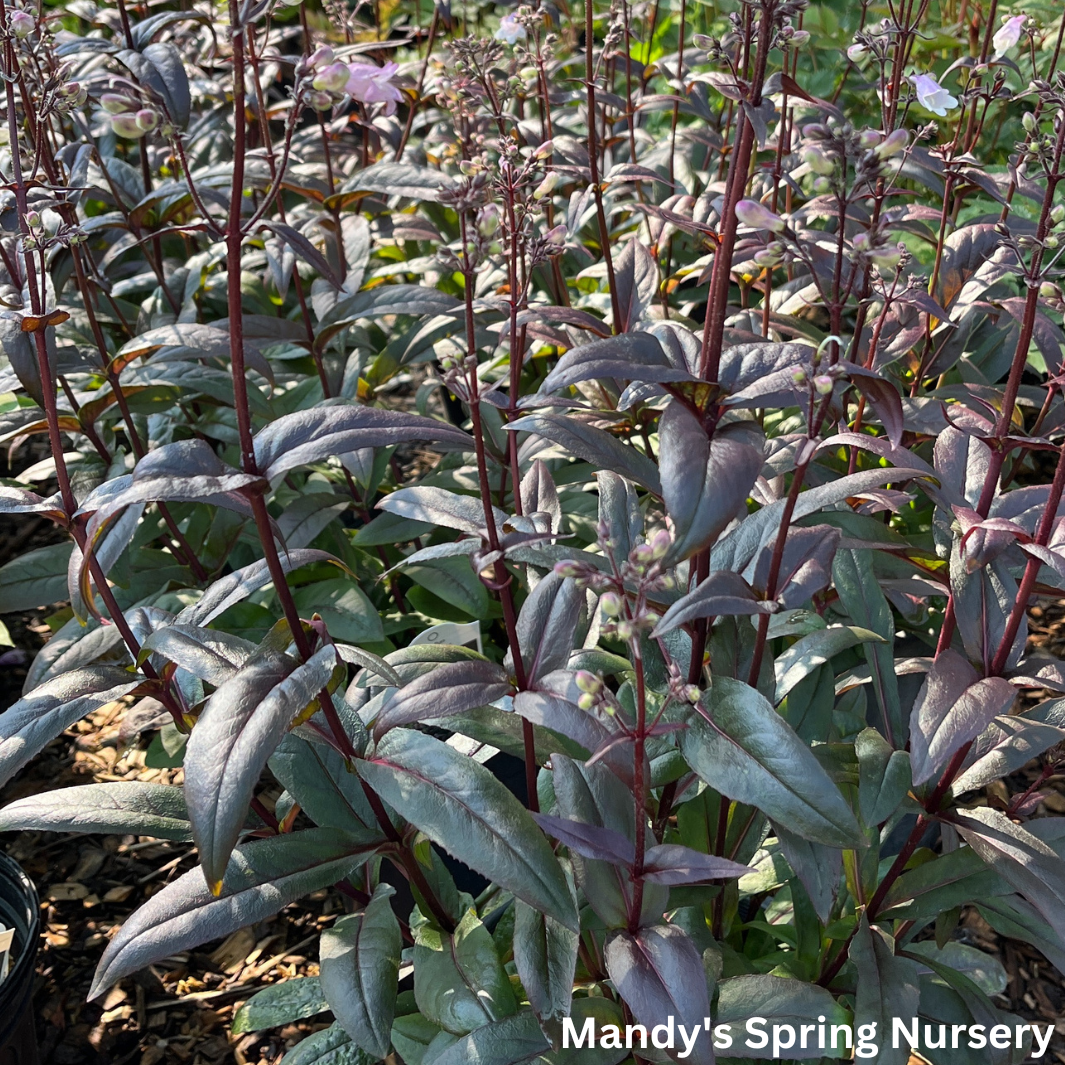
(373,85)
(510,30)
(1008,35)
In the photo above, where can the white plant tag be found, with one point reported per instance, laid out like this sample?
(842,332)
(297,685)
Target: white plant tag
(450,632)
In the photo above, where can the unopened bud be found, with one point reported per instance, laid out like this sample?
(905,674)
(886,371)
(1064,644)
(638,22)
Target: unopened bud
(1049,291)
(33,219)
(856,52)
(1057,212)
(114,104)
(21,23)
(567,568)
(547,186)
(817,161)
(624,630)
(320,101)
(1051,242)
(29,244)
(556,235)
(126,126)
(332,78)
(869,138)
(587,682)
(691,693)
(660,543)
(610,602)
(798,375)
(642,554)
(320,57)
(147,119)
(752,213)
(892,144)
(823,383)
(545,150)
(1029,122)
(586,701)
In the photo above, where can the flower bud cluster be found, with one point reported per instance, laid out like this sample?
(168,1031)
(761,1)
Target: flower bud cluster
(70,96)
(130,117)
(328,82)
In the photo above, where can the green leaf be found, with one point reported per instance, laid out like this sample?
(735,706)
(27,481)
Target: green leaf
(862,598)
(747,752)
(1022,859)
(950,880)
(463,809)
(411,1036)
(281,1003)
(453,580)
(812,651)
(114,806)
(459,981)
(887,988)
(236,733)
(36,578)
(883,777)
(343,605)
(263,877)
(360,971)
(211,655)
(545,955)
(331,1046)
(514,1040)
(29,725)
(780,1001)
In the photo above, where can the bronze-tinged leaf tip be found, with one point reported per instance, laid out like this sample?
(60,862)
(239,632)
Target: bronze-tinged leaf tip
(216,888)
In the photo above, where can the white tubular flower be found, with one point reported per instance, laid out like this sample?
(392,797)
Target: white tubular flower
(1008,35)
(932,95)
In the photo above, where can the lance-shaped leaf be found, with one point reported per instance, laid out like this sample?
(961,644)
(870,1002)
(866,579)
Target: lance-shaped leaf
(1011,742)
(464,810)
(619,512)
(331,1046)
(884,397)
(118,807)
(818,868)
(887,988)
(234,736)
(745,364)
(262,877)
(812,651)
(106,548)
(318,778)
(722,594)
(209,654)
(545,955)
(673,864)
(860,594)
(590,841)
(235,587)
(780,1001)
(705,482)
(515,1040)
(546,624)
(459,982)
(360,971)
(452,688)
(314,435)
(805,564)
(659,974)
(281,1003)
(749,753)
(22,501)
(186,471)
(883,776)
(628,357)
(592,444)
(437,506)
(950,710)
(29,725)
(952,879)
(307,252)
(1021,858)
(560,715)
(188,340)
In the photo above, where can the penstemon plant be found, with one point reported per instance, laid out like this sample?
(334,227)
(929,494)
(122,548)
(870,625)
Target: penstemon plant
(707,359)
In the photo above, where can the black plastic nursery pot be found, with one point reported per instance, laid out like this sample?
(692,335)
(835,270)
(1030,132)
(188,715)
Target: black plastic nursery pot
(19,909)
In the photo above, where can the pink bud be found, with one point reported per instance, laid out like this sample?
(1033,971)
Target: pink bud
(321,57)
(114,104)
(893,144)
(332,78)
(752,213)
(823,383)
(126,126)
(147,119)
(21,23)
